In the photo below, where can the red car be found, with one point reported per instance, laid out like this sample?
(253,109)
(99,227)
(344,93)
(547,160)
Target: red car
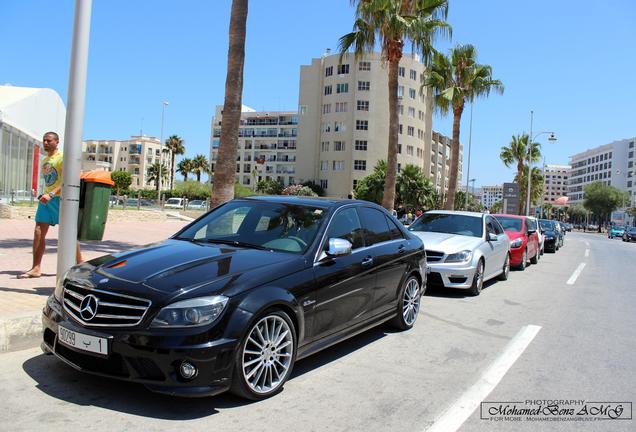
(524,240)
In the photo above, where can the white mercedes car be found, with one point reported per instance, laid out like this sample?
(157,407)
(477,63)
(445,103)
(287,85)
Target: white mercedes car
(463,249)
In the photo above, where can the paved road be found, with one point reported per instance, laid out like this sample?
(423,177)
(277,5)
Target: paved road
(385,381)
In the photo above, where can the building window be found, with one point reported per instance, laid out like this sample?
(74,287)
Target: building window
(326,108)
(401,71)
(361,145)
(362,124)
(363,105)
(343,69)
(338,146)
(409,150)
(412,93)
(355,184)
(324,165)
(399,148)
(401,109)
(323,183)
(420,114)
(400,130)
(411,112)
(341,107)
(324,146)
(328,89)
(413,74)
(631,154)
(338,165)
(420,153)
(364,85)
(364,66)
(342,88)
(329,71)
(339,127)
(400,91)
(326,127)
(410,131)
(360,165)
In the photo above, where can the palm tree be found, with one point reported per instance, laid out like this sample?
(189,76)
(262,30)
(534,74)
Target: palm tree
(201,165)
(371,187)
(414,190)
(185,167)
(389,23)
(175,146)
(517,153)
(152,174)
(455,81)
(536,187)
(225,168)
(547,210)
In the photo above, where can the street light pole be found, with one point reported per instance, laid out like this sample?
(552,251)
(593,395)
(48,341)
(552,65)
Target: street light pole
(530,141)
(470,140)
(159,174)
(73,137)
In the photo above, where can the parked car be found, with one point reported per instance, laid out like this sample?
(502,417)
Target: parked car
(197,204)
(539,233)
(132,202)
(568,226)
(616,231)
(175,203)
(629,234)
(232,300)
(463,249)
(524,240)
(552,241)
(592,227)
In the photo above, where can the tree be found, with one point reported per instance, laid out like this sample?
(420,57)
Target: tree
(547,210)
(454,81)
(185,167)
(298,190)
(536,188)
(468,205)
(122,180)
(577,212)
(388,24)
(496,207)
(602,199)
(414,190)
(153,172)
(319,190)
(176,147)
(200,165)
(517,153)
(269,187)
(371,188)
(225,167)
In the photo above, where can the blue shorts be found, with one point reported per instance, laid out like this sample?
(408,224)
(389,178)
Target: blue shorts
(49,213)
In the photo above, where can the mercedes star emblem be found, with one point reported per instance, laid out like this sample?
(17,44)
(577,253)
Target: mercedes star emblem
(88,307)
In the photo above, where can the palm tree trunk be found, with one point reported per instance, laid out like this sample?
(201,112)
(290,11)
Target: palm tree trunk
(388,200)
(454,168)
(522,188)
(226,165)
(172,170)
(199,180)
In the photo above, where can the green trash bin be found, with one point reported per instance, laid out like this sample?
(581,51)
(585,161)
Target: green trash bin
(95,188)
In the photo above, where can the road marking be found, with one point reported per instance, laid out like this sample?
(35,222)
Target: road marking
(458,412)
(587,243)
(587,253)
(576,274)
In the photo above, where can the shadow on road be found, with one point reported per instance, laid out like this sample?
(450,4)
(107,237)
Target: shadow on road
(58,380)
(440,291)
(42,291)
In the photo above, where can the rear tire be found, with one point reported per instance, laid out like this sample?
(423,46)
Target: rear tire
(478,279)
(408,306)
(506,269)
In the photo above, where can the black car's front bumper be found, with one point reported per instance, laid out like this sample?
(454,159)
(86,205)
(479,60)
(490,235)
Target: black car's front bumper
(550,244)
(146,358)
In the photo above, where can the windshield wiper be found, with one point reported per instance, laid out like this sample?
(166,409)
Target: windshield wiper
(235,243)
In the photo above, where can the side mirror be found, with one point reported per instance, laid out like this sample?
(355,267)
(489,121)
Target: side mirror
(531,231)
(492,237)
(339,247)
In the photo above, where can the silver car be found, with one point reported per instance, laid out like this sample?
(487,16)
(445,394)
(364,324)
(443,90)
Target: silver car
(463,249)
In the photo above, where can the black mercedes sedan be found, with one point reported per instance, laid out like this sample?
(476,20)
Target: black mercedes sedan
(232,300)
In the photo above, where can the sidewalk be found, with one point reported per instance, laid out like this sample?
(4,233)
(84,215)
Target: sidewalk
(21,300)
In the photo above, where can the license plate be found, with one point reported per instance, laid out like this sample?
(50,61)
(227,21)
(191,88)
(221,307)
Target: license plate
(82,341)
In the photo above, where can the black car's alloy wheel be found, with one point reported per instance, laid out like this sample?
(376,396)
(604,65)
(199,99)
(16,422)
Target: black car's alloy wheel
(266,357)
(409,306)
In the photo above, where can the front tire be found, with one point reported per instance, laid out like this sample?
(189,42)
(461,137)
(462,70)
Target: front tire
(535,258)
(524,261)
(266,357)
(478,279)
(506,269)
(409,304)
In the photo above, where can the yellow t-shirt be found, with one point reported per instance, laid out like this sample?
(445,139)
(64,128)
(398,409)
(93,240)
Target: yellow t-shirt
(52,171)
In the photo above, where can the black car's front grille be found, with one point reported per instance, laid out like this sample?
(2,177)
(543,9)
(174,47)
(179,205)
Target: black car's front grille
(434,256)
(113,365)
(107,309)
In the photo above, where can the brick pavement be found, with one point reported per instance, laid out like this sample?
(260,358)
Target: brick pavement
(20,296)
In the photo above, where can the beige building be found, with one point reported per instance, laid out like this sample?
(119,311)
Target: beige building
(134,155)
(490,195)
(555,182)
(344,121)
(441,162)
(267,146)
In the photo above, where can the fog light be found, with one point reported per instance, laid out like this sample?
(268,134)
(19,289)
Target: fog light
(187,370)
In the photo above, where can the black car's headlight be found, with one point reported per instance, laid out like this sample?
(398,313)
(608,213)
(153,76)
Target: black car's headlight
(191,313)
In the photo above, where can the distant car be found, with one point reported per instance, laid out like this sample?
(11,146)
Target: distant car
(629,234)
(463,249)
(524,240)
(197,204)
(539,233)
(616,231)
(175,203)
(592,227)
(567,226)
(551,242)
(560,231)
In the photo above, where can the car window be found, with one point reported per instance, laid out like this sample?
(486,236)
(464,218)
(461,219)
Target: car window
(375,226)
(449,223)
(346,225)
(498,228)
(510,223)
(396,233)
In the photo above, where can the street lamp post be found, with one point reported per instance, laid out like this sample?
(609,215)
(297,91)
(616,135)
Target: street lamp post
(531,140)
(470,141)
(163,111)
(472,193)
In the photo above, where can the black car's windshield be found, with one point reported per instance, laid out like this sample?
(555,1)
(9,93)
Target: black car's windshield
(510,224)
(449,223)
(259,225)
(546,225)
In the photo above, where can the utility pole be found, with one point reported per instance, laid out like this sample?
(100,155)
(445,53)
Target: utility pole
(73,137)
(159,174)
(470,140)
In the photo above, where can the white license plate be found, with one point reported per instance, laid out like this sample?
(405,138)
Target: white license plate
(82,341)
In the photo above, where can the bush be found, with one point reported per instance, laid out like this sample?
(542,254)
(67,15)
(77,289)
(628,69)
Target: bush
(298,190)
(318,190)
(269,187)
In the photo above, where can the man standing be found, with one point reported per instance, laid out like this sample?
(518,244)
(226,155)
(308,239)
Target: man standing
(48,210)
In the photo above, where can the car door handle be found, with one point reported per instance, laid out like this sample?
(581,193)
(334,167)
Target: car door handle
(401,249)
(367,262)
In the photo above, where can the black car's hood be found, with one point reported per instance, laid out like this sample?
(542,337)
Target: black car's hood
(549,233)
(174,267)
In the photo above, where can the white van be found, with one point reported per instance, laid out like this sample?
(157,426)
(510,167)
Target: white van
(174,203)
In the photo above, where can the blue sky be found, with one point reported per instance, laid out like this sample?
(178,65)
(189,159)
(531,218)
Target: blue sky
(573,62)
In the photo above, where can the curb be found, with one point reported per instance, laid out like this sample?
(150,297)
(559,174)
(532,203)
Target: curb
(20,332)
(179,217)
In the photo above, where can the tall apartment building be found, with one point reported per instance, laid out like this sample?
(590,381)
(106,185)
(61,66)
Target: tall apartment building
(344,120)
(555,182)
(631,171)
(607,163)
(490,195)
(266,148)
(133,155)
(441,161)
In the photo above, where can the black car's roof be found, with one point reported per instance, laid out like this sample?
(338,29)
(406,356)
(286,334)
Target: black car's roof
(323,202)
